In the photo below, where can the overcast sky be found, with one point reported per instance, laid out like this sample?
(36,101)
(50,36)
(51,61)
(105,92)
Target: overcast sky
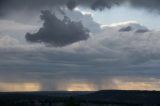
(72,45)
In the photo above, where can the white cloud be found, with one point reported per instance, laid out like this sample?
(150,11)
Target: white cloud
(83,12)
(125,23)
(7,41)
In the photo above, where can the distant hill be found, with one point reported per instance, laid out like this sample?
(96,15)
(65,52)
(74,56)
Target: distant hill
(121,96)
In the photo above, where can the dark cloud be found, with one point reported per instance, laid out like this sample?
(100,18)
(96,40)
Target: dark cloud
(134,27)
(149,4)
(126,29)
(94,4)
(56,32)
(7,6)
(71,4)
(102,4)
(12,5)
(142,31)
(129,28)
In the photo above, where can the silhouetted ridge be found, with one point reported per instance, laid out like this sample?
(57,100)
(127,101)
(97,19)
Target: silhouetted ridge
(120,96)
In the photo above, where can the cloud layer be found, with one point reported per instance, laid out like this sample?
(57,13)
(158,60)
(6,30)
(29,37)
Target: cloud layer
(109,59)
(15,5)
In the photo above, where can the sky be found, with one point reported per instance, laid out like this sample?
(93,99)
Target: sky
(76,45)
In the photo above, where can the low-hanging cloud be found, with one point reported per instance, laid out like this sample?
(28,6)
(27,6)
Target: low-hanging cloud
(56,32)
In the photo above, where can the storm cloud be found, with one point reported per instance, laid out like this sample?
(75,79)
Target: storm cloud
(56,32)
(7,6)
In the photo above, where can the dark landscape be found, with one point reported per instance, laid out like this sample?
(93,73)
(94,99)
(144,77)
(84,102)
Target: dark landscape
(97,98)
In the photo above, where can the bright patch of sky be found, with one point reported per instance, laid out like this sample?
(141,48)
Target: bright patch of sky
(125,13)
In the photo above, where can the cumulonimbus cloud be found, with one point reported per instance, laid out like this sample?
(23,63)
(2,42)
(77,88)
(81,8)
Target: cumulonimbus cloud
(56,32)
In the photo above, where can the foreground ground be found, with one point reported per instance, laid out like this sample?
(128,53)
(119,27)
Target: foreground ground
(99,98)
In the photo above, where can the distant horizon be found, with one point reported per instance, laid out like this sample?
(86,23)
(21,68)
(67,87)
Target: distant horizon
(76,91)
